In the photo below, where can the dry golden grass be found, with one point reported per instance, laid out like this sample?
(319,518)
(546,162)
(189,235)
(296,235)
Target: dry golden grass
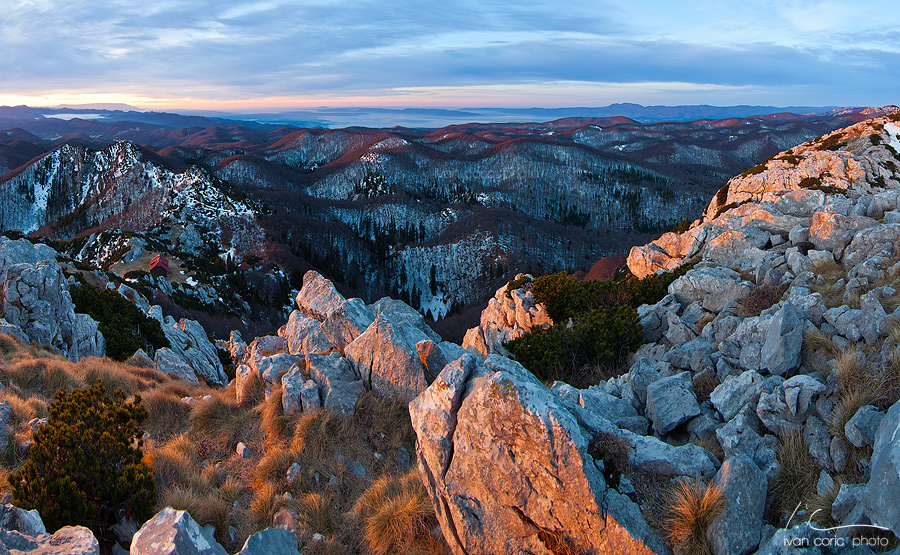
(703,321)
(796,481)
(397,516)
(167,414)
(219,420)
(317,513)
(829,270)
(274,464)
(263,506)
(712,445)
(693,506)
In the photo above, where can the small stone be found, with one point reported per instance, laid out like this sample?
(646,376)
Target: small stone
(243,451)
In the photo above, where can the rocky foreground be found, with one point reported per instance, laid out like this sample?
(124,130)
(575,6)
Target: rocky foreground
(785,327)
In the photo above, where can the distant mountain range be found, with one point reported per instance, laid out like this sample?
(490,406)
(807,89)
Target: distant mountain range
(421,118)
(436,217)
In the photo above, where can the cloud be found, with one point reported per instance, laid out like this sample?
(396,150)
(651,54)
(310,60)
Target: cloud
(278,48)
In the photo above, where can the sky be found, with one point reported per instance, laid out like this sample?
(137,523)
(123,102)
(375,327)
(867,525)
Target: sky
(278,54)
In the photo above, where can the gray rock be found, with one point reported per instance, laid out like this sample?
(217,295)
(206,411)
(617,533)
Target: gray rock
(677,331)
(68,540)
(20,520)
(655,456)
(737,530)
(342,397)
(874,322)
(742,436)
(863,427)
(847,499)
(401,313)
(271,541)
(304,335)
(293,383)
(713,286)
(385,358)
(825,484)
(169,362)
(318,298)
(818,442)
(617,411)
(347,322)
(432,358)
(189,341)
(883,490)
(272,368)
(783,340)
(644,372)
(736,392)
(172,532)
(243,451)
(671,402)
(470,424)
(244,380)
(838,452)
(136,298)
(846,321)
(800,393)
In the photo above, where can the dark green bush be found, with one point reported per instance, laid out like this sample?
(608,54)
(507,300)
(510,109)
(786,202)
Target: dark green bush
(596,325)
(126,330)
(601,338)
(85,467)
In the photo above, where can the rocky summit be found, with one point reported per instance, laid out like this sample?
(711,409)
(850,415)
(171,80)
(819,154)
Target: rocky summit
(759,414)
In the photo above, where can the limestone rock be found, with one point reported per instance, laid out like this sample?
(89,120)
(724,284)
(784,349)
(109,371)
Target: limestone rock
(509,315)
(472,443)
(172,532)
(714,286)
(347,322)
(671,402)
(883,490)
(384,358)
(318,298)
(304,335)
(168,362)
(737,530)
(189,341)
(736,392)
(783,339)
(861,429)
(271,541)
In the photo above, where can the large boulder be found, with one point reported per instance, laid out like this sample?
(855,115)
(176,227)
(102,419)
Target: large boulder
(35,298)
(303,335)
(318,298)
(783,340)
(505,464)
(386,359)
(172,532)
(737,530)
(671,402)
(271,541)
(189,341)
(347,322)
(508,315)
(883,489)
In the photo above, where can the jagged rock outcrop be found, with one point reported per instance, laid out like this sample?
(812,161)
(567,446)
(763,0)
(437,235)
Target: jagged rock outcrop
(172,532)
(506,465)
(23,532)
(190,349)
(348,347)
(36,300)
(509,314)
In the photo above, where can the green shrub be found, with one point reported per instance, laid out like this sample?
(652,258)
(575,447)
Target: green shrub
(85,467)
(602,338)
(757,169)
(596,324)
(126,330)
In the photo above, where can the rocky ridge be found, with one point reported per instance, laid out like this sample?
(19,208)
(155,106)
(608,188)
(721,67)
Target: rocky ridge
(794,261)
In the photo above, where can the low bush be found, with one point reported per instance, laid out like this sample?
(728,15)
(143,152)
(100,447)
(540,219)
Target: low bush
(761,298)
(126,330)
(86,466)
(596,325)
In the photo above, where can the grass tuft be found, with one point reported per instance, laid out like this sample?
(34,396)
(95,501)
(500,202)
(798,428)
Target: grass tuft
(693,506)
